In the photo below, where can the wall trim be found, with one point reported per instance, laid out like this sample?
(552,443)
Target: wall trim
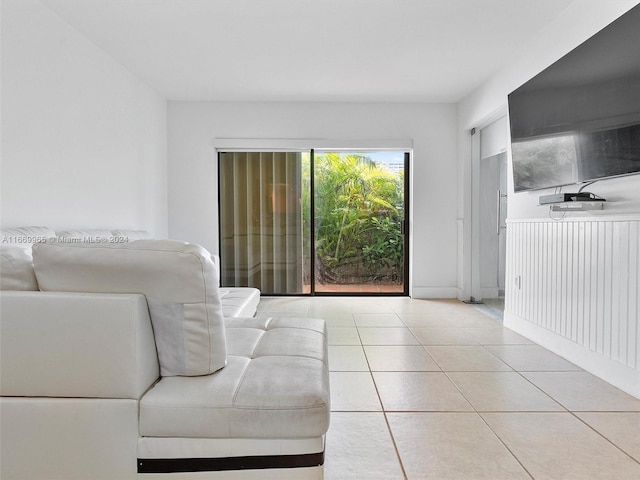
(591,218)
(615,373)
(300,144)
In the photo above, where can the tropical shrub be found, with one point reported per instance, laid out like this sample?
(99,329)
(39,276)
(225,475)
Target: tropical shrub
(358,210)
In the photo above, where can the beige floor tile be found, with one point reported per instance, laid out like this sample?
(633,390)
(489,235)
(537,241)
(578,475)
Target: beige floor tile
(497,336)
(291,314)
(466,358)
(551,444)
(343,336)
(425,319)
(623,429)
(581,391)
(443,336)
(400,359)
(286,305)
(369,305)
(340,320)
(377,320)
(451,446)
(343,358)
(502,392)
(419,391)
(349,305)
(321,311)
(531,358)
(359,447)
(433,306)
(555,446)
(353,391)
(472,320)
(387,336)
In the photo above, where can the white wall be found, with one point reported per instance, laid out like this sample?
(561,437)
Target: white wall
(193,193)
(83,140)
(577,23)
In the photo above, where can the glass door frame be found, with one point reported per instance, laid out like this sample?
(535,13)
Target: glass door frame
(407,152)
(405,227)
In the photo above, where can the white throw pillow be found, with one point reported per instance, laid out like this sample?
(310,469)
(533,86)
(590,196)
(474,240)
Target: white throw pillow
(16,268)
(178,279)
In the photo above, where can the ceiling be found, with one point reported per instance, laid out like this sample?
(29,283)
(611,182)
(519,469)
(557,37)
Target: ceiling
(311,50)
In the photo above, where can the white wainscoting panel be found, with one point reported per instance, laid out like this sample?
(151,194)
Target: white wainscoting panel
(579,279)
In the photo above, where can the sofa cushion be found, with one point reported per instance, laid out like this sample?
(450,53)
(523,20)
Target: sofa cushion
(239,301)
(276,385)
(16,268)
(178,279)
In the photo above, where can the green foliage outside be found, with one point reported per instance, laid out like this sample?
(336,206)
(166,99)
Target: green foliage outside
(358,210)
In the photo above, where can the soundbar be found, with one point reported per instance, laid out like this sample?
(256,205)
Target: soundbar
(569,197)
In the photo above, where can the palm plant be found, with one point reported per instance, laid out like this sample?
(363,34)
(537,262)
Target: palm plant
(356,213)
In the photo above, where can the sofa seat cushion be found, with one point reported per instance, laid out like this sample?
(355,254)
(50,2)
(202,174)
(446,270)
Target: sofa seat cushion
(275,385)
(239,301)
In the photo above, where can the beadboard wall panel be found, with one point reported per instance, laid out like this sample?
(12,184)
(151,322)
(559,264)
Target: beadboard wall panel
(580,279)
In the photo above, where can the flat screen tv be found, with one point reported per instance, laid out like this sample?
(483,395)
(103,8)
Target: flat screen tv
(579,119)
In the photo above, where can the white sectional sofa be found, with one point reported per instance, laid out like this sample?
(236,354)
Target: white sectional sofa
(101,383)
(236,301)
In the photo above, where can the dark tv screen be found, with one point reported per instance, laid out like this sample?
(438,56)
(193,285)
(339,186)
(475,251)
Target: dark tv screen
(579,119)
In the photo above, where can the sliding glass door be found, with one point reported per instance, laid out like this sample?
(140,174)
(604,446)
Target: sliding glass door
(295,223)
(360,219)
(261,221)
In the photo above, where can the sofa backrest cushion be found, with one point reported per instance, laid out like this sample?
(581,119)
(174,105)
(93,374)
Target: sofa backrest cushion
(94,235)
(76,345)
(178,279)
(102,236)
(16,268)
(16,265)
(25,236)
(131,235)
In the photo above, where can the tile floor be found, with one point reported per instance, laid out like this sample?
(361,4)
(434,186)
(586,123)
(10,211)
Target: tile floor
(437,389)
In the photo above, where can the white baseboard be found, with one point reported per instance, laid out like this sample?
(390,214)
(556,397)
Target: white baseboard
(615,373)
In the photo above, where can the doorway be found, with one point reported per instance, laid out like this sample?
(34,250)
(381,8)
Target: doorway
(493,212)
(360,219)
(490,212)
(314,222)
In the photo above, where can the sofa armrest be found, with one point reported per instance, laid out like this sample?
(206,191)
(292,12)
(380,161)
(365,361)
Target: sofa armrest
(55,344)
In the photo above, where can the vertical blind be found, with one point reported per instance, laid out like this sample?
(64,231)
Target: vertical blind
(261,225)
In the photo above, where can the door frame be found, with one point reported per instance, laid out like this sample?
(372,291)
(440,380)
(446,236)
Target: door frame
(225,144)
(408,154)
(474,291)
